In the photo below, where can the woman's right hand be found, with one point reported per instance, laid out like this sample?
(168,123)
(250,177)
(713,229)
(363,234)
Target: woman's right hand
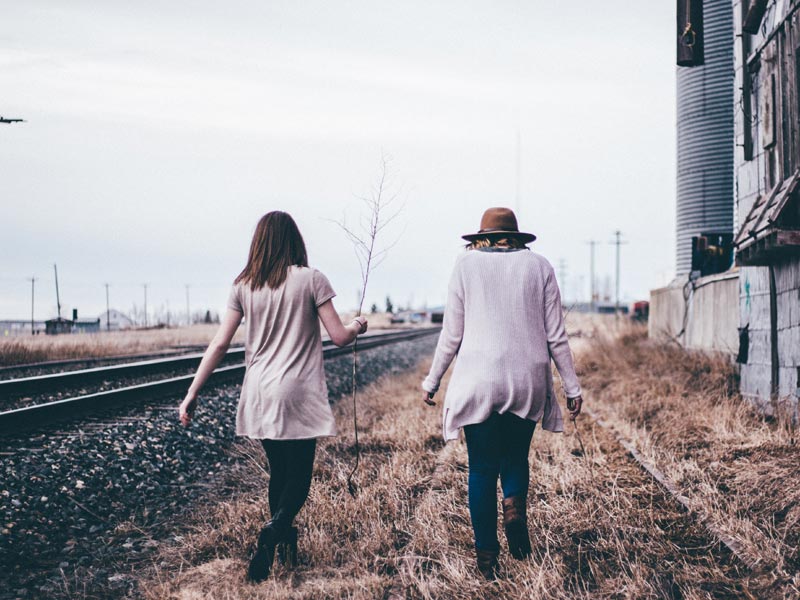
(362,324)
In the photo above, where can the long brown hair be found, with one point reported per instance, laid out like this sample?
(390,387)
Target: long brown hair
(276,246)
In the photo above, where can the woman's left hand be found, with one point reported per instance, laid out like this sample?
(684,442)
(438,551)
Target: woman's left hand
(186,409)
(427,398)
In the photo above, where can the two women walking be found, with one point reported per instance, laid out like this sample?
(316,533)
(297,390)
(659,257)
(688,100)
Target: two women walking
(503,321)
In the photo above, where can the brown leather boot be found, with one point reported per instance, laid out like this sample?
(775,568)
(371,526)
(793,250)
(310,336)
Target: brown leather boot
(487,562)
(515,522)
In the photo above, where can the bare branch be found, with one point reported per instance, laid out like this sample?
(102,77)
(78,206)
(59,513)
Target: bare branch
(371,222)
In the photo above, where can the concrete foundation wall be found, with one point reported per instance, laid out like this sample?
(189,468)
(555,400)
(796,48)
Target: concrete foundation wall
(756,382)
(712,318)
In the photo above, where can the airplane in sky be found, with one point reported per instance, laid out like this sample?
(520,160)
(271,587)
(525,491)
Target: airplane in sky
(4,120)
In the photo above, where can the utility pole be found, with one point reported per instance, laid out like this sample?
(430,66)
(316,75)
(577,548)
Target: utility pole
(144,285)
(33,281)
(108,311)
(562,275)
(592,281)
(58,298)
(188,310)
(518,188)
(617,242)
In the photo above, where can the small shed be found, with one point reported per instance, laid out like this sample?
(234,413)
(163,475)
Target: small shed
(57,326)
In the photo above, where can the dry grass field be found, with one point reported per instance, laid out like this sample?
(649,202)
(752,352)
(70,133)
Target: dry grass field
(22,350)
(31,349)
(600,527)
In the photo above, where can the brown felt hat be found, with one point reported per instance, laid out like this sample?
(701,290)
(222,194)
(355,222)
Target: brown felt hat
(498,222)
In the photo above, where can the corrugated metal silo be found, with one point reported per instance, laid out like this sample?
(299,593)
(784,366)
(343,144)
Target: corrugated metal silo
(705,198)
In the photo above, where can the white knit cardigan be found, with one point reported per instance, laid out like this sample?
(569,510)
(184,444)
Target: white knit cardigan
(504,320)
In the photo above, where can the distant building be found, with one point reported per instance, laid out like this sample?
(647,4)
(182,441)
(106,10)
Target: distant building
(15,327)
(417,317)
(117,319)
(60,326)
(86,325)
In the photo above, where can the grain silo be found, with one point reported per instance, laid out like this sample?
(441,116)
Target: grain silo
(705,93)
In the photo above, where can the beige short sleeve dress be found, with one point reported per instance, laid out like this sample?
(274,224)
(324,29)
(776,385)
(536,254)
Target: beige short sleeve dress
(284,394)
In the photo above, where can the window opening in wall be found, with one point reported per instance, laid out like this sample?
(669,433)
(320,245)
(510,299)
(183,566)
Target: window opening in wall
(782,91)
(746,100)
(768,112)
(754,85)
(797,391)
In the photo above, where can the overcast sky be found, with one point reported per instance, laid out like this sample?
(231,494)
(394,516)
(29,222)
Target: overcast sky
(159,132)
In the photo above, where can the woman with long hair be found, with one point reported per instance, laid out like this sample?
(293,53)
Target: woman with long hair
(284,397)
(504,320)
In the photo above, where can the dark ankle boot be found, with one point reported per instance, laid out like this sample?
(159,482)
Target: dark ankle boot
(487,563)
(515,522)
(287,550)
(261,563)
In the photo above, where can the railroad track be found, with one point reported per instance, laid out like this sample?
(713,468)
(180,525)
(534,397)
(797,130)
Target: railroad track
(766,561)
(94,496)
(38,415)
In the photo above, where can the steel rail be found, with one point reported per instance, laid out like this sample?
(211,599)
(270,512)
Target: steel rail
(11,388)
(93,360)
(730,542)
(34,416)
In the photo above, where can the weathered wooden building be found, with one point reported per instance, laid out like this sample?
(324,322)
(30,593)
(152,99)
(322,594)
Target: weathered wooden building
(767,169)
(761,293)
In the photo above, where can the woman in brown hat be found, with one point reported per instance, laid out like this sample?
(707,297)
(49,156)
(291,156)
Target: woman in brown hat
(504,320)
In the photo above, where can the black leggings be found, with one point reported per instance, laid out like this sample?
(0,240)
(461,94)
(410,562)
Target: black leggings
(290,466)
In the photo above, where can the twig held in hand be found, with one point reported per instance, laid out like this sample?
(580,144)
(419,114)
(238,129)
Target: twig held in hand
(372,223)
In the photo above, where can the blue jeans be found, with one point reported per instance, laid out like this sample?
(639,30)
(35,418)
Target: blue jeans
(498,447)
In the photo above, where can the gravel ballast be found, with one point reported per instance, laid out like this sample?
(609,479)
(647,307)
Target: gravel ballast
(82,506)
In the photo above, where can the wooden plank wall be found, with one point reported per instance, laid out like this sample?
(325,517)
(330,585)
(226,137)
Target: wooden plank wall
(776,73)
